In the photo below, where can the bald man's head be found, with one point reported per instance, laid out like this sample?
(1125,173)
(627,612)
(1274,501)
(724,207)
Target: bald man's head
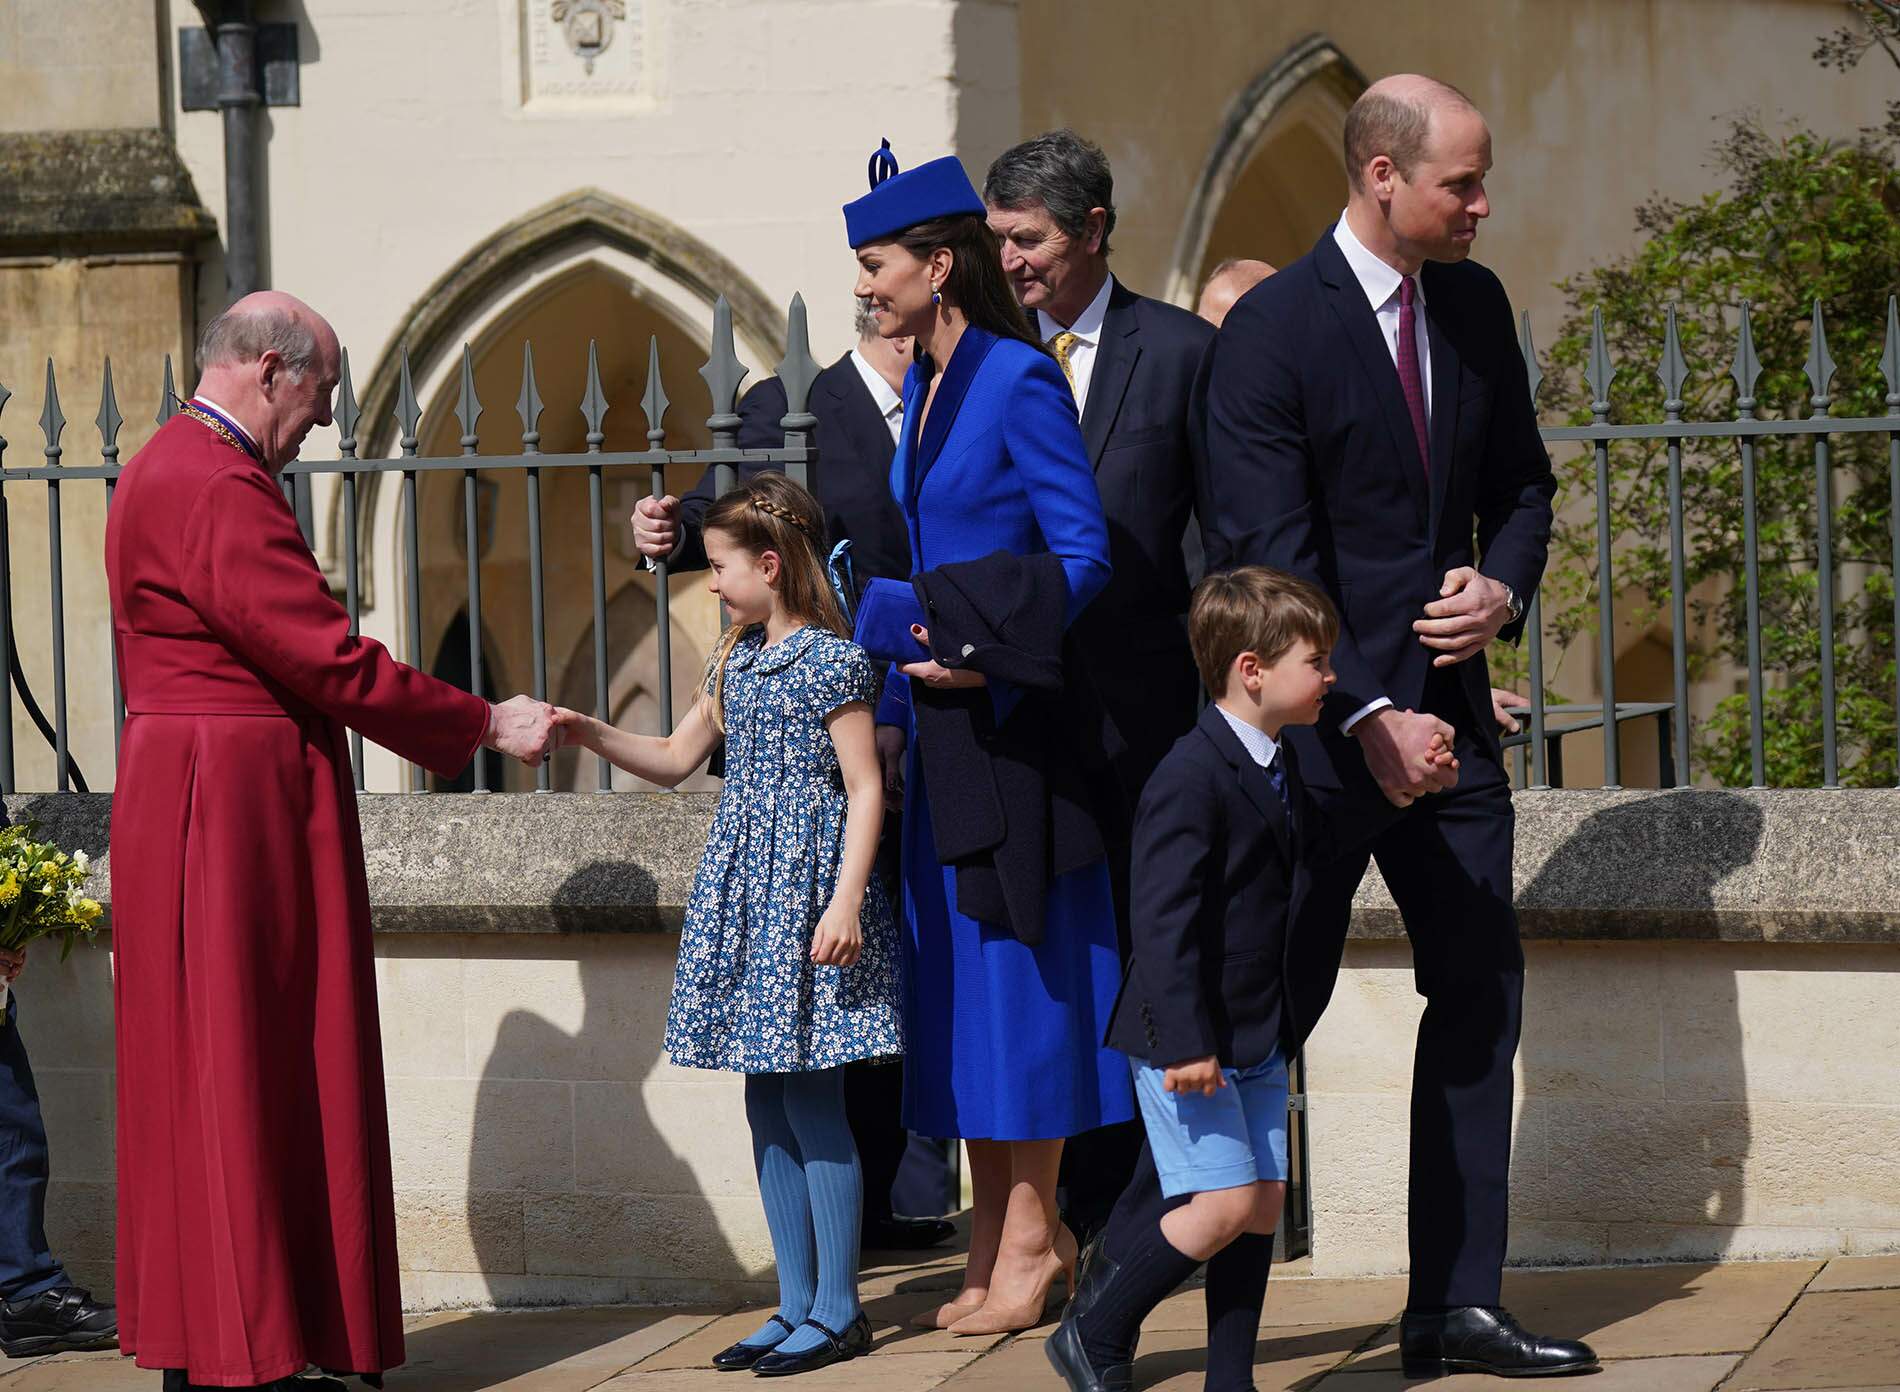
(1393,117)
(1226,283)
(273,362)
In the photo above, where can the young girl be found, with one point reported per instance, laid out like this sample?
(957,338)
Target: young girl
(788,961)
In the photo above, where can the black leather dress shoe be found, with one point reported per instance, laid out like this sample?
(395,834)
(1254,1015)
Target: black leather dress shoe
(897,1233)
(65,1319)
(1092,1272)
(740,1356)
(1067,1356)
(836,1348)
(1482,1339)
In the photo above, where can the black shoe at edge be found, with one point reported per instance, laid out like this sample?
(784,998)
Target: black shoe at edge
(898,1233)
(1482,1339)
(65,1319)
(1066,1355)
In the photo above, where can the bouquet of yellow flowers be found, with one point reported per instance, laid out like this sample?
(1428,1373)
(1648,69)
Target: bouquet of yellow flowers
(42,893)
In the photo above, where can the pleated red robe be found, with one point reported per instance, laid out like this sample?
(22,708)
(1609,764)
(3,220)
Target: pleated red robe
(256,1223)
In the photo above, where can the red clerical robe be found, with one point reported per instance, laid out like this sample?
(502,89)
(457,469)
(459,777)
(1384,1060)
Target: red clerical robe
(256,1222)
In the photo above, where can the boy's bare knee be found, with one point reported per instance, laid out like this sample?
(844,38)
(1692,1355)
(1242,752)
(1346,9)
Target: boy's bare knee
(1227,1210)
(1269,1197)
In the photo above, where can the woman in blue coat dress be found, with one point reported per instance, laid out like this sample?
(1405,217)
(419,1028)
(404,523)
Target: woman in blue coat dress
(1004,1037)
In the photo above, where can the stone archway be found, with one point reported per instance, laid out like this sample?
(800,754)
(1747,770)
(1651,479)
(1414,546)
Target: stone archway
(1276,175)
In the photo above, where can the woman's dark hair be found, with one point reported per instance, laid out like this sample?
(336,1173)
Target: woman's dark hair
(976,284)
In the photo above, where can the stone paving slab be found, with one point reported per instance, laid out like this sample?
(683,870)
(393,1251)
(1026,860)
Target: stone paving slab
(1830,1339)
(1747,1327)
(1857,1273)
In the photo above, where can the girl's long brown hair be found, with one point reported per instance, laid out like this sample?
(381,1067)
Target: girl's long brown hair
(771,513)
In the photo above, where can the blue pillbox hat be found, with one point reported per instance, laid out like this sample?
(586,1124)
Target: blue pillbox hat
(897,201)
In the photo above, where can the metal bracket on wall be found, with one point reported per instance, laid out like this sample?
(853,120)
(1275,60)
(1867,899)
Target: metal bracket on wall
(276,67)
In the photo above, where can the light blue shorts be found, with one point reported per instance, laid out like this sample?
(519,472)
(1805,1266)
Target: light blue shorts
(1235,1137)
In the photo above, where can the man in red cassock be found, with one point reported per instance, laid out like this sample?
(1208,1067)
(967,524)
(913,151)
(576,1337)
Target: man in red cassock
(256,1223)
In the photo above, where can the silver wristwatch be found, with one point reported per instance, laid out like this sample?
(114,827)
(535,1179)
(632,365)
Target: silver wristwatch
(1513,603)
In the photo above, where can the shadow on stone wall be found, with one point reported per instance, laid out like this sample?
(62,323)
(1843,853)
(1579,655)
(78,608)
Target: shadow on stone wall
(620,1214)
(1633,1135)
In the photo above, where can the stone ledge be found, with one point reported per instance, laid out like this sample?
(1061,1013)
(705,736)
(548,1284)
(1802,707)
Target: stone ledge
(75,193)
(1798,865)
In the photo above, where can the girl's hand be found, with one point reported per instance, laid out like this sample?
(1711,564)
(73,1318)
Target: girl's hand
(1202,1075)
(838,940)
(12,963)
(570,727)
(933,673)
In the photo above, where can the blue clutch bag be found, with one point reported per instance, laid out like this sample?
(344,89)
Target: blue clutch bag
(886,611)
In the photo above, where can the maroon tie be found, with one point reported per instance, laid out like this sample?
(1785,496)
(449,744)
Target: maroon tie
(1410,381)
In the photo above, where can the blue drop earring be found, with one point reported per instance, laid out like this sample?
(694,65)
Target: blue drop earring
(936,297)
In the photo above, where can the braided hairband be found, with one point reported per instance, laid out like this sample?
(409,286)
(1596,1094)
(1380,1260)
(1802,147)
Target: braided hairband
(785,514)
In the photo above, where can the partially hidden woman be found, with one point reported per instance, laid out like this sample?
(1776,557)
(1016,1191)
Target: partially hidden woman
(1004,1021)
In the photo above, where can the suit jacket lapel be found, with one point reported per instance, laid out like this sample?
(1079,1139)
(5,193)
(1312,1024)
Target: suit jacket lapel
(1443,425)
(1253,778)
(1115,357)
(1362,330)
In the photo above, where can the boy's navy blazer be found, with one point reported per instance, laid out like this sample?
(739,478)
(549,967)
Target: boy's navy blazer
(1220,871)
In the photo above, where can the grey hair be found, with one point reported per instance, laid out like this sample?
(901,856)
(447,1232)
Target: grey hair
(242,336)
(1060,170)
(1396,127)
(864,321)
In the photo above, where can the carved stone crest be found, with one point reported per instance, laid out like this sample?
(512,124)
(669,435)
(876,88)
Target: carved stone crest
(588,25)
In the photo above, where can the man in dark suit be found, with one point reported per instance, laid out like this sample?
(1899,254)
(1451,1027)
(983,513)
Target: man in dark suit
(1370,427)
(1131,361)
(859,405)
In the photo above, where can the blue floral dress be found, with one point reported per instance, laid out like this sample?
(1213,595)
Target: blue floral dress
(746,994)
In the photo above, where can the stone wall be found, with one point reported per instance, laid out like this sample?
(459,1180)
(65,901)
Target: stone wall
(1710,1065)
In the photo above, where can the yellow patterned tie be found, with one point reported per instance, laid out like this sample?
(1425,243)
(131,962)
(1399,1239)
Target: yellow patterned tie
(1060,346)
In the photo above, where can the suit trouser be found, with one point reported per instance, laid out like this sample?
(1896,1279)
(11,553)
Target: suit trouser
(1447,861)
(26,1265)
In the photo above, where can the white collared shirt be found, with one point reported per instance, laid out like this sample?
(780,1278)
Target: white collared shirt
(229,419)
(1381,284)
(1261,747)
(888,401)
(1087,329)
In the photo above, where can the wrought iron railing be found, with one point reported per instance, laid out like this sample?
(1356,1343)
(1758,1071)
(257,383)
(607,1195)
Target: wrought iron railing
(1537,748)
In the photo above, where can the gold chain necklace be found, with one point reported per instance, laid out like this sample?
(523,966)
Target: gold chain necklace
(217,427)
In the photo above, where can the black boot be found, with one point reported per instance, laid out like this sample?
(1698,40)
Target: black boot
(1484,1339)
(1094,1350)
(65,1319)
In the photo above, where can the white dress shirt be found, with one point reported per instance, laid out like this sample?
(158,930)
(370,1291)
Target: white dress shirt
(1260,746)
(888,401)
(1087,329)
(1381,285)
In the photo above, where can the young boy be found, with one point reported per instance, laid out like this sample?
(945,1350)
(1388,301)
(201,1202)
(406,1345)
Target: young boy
(1218,871)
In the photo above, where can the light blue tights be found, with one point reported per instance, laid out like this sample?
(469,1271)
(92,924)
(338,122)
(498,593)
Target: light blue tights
(814,1195)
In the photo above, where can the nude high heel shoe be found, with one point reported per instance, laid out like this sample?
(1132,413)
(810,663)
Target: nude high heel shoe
(992,1318)
(945,1315)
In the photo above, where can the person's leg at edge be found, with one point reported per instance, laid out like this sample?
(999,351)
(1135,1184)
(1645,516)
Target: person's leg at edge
(27,1266)
(1033,1248)
(814,1106)
(788,1217)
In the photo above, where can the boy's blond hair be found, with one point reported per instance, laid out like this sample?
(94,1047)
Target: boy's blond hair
(1258,610)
